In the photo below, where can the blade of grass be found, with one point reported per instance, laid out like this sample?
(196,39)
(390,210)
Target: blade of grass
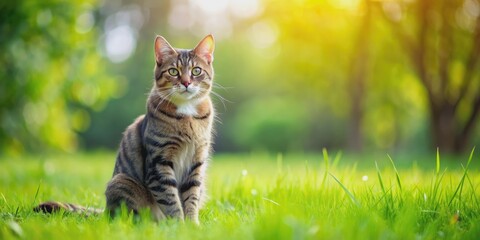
(438,161)
(388,197)
(437,181)
(336,160)
(396,173)
(473,189)
(380,178)
(5,201)
(354,200)
(436,187)
(462,180)
(326,162)
(35,198)
(36,194)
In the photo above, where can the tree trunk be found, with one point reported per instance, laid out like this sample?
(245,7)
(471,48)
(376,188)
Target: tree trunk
(448,134)
(463,138)
(358,75)
(443,127)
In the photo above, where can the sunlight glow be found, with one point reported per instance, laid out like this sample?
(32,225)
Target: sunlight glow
(393,10)
(211,6)
(211,16)
(179,17)
(263,34)
(346,4)
(244,8)
(120,43)
(467,16)
(121,30)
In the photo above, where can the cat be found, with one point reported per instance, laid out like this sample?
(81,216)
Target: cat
(163,154)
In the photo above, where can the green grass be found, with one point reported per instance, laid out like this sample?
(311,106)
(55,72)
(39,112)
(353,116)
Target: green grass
(259,196)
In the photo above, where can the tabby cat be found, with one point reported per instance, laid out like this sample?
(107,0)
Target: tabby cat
(163,154)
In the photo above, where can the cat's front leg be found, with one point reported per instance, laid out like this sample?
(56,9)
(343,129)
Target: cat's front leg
(191,189)
(163,185)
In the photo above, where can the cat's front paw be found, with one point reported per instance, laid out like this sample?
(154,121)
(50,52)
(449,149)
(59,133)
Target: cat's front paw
(193,218)
(196,221)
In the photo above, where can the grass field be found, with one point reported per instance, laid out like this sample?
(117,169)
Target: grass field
(259,196)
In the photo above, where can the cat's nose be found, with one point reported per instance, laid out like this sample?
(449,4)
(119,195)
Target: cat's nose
(186,83)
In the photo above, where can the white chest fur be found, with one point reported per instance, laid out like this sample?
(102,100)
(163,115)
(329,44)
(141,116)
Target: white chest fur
(188,109)
(184,160)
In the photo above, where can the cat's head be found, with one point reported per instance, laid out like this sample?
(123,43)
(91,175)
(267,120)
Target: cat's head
(183,76)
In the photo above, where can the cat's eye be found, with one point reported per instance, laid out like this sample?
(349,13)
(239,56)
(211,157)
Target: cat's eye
(196,71)
(173,72)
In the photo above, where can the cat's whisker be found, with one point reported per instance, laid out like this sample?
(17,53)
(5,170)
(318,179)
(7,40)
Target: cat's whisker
(156,91)
(222,99)
(217,119)
(162,90)
(163,99)
(158,96)
(219,96)
(217,85)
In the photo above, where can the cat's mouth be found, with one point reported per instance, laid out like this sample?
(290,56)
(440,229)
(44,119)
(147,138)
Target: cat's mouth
(187,93)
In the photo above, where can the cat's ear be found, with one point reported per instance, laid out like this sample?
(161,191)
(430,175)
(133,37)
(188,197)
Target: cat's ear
(162,49)
(205,48)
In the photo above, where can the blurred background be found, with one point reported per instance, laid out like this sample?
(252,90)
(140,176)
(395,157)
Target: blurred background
(293,76)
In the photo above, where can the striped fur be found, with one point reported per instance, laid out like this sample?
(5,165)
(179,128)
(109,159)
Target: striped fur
(50,207)
(163,154)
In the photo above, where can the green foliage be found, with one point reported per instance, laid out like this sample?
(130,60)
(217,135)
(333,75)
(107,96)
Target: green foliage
(285,70)
(51,74)
(264,125)
(257,197)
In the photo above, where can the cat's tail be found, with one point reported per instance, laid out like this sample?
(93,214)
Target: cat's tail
(52,207)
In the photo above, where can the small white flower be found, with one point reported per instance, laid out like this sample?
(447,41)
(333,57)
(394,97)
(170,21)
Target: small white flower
(244,172)
(254,192)
(365,178)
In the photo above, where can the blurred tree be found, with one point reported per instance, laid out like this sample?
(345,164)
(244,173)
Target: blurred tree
(442,41)
(358,76)
(51,73)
